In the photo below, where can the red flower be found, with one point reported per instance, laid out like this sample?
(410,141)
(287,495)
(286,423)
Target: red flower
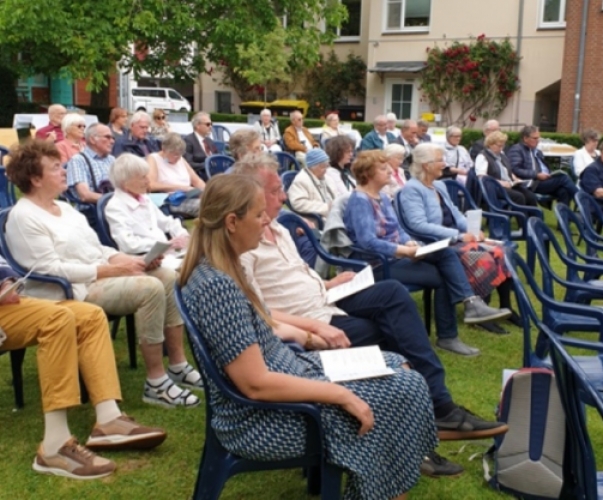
(472,118)
(481,37)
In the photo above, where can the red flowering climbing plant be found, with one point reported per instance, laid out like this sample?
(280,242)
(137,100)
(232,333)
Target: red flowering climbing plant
(475,79)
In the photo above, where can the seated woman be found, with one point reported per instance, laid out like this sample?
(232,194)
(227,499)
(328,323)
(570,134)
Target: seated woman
(71,336)
(494,163)
(394,154)
(392,121)
(159,125)
(169,172)
(73,126)
(372,225)
(269,132)
(366,422)
(117,122)
(331,128)
(430,212)
(55,239)
(457,158)
(588,153)
(340,151)
(135,222)
(311,190)
(244,141)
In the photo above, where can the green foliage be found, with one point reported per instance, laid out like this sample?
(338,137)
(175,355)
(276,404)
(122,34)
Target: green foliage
(330,82)
(479,77)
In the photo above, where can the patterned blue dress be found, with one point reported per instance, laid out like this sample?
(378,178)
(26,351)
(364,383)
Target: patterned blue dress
(381,465)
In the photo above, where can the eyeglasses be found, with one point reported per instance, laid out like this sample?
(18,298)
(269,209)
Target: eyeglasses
(160,118)
(534,138)
(81,126)
(206,123)
(108,137)
(456,135)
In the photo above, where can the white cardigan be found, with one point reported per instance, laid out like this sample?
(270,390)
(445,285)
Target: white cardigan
(64,246)
(136,226)
(582,160)
(305,197)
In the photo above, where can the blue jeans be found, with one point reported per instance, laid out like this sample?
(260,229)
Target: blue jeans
(385,314)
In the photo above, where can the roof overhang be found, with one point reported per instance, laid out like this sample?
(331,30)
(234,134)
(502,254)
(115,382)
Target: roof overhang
(397,67)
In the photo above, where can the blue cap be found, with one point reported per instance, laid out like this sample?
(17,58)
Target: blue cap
(316,156)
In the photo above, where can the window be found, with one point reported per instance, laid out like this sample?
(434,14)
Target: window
(401,98)
(552,14)
(175,95)
(407,15)
(351,28)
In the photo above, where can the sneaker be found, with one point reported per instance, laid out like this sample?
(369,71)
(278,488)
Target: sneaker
(492,327)
(124,432)
(460,423)
(457,346)
(169,395)
(188,377)
(435,465)
(515,319)
(476,311)
(74,461)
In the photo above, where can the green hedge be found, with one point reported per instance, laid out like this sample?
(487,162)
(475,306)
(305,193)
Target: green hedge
(472,135)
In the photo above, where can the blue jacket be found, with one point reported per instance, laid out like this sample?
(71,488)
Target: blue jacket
(423,213)
(127,144)
(520,157)
(373,141)
(592,177)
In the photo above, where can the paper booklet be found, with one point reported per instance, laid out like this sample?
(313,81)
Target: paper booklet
(362,280)
(14,286)
(354,363)
(474,222)
(159,248)
(432,247)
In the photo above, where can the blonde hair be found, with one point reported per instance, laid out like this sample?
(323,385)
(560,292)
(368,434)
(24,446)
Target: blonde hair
(223,195)
(496,137)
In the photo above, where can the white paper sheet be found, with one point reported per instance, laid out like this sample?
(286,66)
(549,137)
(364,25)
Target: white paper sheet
(432,247)
(362,280)
(354,363)
(159,248)
(474,222)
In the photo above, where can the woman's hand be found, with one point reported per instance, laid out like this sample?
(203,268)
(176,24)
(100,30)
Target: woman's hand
(468,238)
(362,411)
(12,297)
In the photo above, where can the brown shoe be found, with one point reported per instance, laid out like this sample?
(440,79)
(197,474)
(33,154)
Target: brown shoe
(73,461)
(124,432)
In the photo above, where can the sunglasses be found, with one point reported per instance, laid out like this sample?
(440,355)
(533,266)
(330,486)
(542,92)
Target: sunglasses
(206,123)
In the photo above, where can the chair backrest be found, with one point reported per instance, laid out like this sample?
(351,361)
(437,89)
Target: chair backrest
(460,195)
(220,133)
(493,193)
(473,187)
(570,221)
(286,161)
(402,219)
(590,209)
(217,164)
(102,228)
(287,179)
(7,189)
(220,146)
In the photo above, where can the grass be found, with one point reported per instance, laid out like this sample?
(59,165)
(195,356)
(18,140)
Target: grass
(170,470)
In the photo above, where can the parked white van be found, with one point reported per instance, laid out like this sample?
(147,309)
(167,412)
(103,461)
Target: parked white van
(149,98)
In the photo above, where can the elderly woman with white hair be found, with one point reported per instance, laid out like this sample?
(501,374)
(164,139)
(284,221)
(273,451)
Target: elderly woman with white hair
(430,214)
(392,120)
(135,222)
(331,127)
(457,158)
(395,154)
(73,126)
(269,132)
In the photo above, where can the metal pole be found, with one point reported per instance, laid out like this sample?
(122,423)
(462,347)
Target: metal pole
(580,73)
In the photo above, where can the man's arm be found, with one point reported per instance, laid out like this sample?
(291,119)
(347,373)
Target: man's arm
(335,337)
(518,164)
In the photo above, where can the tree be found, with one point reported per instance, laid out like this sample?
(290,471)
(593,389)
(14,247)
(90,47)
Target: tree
(173,38)
(480,77)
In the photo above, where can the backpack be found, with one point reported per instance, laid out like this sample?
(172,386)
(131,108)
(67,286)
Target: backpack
(528,459)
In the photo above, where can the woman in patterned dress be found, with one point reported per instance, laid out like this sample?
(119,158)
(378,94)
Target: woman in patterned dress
(378,430)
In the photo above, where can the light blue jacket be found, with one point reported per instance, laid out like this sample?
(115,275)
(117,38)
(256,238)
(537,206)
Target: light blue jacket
(373,141)
(423,213)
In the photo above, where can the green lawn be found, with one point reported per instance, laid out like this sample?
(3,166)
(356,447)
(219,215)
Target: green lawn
(170,471)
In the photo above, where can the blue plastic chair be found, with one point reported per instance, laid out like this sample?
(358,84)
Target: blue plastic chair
(7,190)
(217,164)
(592,214)
(293,222)
(576,390)
(218,464)
(287,179)
(286,162)
(220,133)
(576,288)
(221,147)
(3,152)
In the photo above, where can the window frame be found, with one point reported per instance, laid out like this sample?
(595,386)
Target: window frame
(551,24)
(401,28)
(351,38)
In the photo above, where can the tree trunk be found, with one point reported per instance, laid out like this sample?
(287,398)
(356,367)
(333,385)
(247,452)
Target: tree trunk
(9,102)
(100,99)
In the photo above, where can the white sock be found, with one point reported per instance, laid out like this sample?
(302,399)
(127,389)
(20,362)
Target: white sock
(106,411)
(56,431)
(156,382)
(178,367)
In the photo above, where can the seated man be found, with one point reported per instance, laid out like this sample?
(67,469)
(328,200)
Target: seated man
(527,162)
(422,128)
(409,139)
(298,138)
(53,131)
(137,141)
(379,137)
(591,180)
(199,144)
(71,335)
(383,314)
(478,146)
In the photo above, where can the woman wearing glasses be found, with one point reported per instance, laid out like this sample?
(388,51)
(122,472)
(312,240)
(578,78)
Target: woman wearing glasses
(73,126)
(269,133)
(159,125)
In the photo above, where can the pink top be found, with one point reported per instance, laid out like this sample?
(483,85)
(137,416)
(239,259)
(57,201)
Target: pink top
(171,173)
(69,149)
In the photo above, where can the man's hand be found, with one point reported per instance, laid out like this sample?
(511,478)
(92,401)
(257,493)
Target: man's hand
(334,337)
(127,265)
(598,193)
(12,297)
(154,264)
(180,242)
(340,279)
(542,176)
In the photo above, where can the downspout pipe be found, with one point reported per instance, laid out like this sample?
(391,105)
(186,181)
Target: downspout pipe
(580,72)
(518,51)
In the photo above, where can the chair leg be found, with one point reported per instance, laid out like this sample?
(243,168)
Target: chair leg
(210,482)
(115,327)
(330,482)
(131,335)
(427,309)
(84,396)
(16,365)
(314,476)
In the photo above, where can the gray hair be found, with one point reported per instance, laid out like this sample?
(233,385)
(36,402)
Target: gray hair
(140,116)
(295,113)
(452,130)
(197,118)
(331,116)
(92,131)
(71,119)
(422,154)
(423,123)
(391,117)
(394,149)
(379,118)
(125,167)
(491,125)
(241,140)
(527,131)
(173,143)
(265,111)
(406,124)
(254,163)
